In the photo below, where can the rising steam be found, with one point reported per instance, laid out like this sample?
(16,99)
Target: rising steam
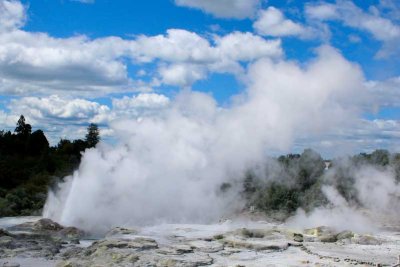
(169,167)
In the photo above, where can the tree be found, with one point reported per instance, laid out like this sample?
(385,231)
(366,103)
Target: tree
(311,167)
(23,128)
(38,143)
(93,135)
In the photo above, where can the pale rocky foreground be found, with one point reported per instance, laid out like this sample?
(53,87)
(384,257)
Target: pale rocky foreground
(41,242)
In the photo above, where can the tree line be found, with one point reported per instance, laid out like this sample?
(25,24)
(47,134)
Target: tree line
(29,166)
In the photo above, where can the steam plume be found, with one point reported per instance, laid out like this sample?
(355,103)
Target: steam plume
(169,167)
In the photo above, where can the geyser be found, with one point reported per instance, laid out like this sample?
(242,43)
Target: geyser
(168,167)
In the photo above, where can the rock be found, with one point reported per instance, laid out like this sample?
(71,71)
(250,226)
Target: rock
(168,263)
(175,250)
(328,238)
(218,237)
(345,235)
(192,260)
(72,252)
(365,240)
(4,233)
(137,243)
(257,246)
(11,264)
(298,237)
(47,225)
(67,264)
(121,231)
(207,247)
(252,233)
(6,242)
(322,233)
(71,233)
(319,231)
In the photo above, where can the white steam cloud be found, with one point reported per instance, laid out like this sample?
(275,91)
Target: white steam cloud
(169,167)
(378,196)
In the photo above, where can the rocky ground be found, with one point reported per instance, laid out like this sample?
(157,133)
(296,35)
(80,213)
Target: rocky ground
(42,242)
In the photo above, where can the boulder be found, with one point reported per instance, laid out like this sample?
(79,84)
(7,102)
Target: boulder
(47,225)
(71,233)
(298,237)
(345,235)
(365,240)
(4,233)
(118,231)
(328,238)
(6,242)
(322,234)
(139,243)
(252,233)
(175,250)
(319,231)
(11,264)
(206,246)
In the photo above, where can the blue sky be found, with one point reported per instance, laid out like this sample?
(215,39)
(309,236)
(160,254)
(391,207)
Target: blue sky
(87,56)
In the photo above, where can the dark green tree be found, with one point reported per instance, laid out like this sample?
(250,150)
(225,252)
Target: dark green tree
(23,129)
(38,143)
(93,135)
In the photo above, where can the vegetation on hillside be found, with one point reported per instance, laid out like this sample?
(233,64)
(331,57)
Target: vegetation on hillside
(29,166)
(296,180)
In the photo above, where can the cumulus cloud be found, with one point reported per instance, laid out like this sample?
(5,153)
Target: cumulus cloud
(140,101)
(139,105)
(36,60)
(382,29)
(41,63)
(12,15)
(272,22)
(59,117)
(182,75)
(239,46)
(62,116)
(386,93)
(238,9)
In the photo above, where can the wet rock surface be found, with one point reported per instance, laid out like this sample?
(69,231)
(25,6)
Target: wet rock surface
(46,243)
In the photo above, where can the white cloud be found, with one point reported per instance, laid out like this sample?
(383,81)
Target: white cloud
(85,1)
(176,46)
(58,117)
(238,9)
(272,22)
(182,75)
(8,121)
(56,108)
(382,29)
(322,11)
(239,46)
(385,93)
(37,62)
(62,117)
(12,15)
(141,101)
(192,64)
(390,8)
